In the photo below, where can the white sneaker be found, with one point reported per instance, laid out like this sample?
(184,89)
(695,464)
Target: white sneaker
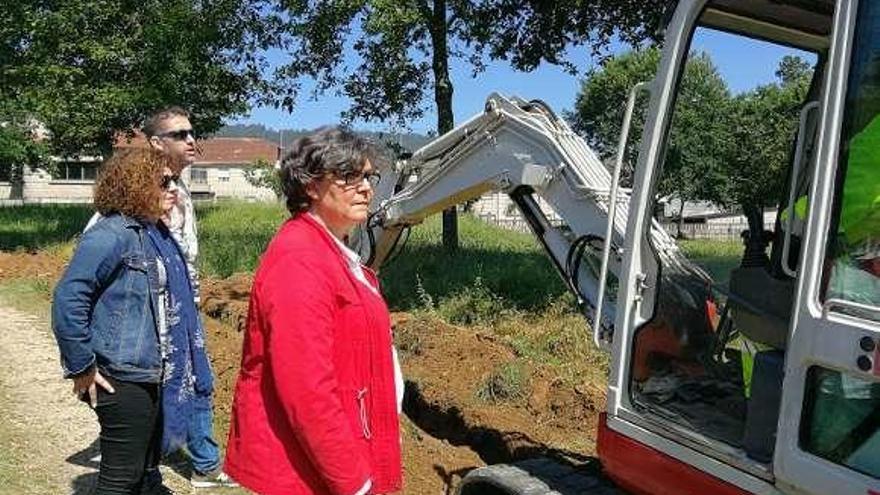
(216,478)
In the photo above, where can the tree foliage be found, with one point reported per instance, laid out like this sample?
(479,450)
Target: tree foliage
(600,104)
(20,146)
(724,149)
(403,48)
(263,174)
(696,144)
(88,69)
(763,125)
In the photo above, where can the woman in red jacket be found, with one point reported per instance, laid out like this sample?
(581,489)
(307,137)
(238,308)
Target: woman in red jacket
(315,408)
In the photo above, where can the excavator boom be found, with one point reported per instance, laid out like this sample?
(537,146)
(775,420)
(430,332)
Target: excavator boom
(523,149)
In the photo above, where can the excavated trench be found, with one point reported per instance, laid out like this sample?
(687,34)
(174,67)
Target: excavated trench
(493,446)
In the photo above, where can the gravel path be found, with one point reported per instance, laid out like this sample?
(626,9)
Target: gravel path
(53,436)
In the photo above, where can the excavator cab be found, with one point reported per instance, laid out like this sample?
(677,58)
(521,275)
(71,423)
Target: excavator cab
(753,369)
(764,376)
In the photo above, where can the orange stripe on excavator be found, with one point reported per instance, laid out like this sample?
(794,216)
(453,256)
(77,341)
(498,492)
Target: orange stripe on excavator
(642,470)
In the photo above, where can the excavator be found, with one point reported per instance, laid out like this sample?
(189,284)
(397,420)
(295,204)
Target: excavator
(760,377)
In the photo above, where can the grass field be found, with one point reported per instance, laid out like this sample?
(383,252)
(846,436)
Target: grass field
(493,272)
(34,227)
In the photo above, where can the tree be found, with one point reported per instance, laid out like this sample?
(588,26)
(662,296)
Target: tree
(763,125)
(599,105)
(693,167)
(722,149)
(263,174)
(404,48)
(20,145)
(89,69)
(794,70)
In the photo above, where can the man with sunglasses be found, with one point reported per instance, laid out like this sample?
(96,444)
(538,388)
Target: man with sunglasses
(170,132)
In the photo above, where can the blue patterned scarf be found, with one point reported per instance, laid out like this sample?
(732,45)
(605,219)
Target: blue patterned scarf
(187,381)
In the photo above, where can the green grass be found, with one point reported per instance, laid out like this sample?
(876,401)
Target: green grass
(32,296)
(34,227)
(717,257)
(494,271)
(508,382)
(233,235)
(491,263)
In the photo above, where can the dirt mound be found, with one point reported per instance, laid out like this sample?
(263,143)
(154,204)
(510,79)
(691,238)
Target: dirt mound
(41,265)
(451,426)
(227,299)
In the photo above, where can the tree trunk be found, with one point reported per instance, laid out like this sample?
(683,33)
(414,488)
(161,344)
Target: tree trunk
(756,241)
(680,218)
(443,99)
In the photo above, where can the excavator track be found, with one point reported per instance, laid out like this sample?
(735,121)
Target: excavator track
(539,476)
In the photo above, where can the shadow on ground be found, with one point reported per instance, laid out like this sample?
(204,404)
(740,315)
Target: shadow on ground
(90,457)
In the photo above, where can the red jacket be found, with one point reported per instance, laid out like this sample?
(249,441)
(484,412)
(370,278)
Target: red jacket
(314,409)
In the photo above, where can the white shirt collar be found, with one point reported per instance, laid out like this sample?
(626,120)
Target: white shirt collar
(352,258)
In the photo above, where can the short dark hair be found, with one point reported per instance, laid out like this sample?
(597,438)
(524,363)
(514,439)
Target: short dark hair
(329,150)
(153,124)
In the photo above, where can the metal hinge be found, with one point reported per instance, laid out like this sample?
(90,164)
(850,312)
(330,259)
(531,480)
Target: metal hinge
(641,285)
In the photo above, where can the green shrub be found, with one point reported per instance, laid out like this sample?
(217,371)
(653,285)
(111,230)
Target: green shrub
(508,382)
(472,305)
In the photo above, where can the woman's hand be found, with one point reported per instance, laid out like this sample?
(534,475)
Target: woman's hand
(87,382)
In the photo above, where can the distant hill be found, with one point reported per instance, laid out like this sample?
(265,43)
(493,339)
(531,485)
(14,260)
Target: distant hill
(409,141)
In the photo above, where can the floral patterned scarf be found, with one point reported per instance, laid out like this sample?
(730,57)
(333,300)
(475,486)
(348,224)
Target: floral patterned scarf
(187,381)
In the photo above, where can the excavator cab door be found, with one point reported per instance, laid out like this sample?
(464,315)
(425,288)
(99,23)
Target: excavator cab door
(761,371)
(829,436)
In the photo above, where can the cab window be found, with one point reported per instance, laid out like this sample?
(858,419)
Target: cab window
(853,252)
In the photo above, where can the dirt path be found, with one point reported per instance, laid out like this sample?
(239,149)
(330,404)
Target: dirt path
(50,437)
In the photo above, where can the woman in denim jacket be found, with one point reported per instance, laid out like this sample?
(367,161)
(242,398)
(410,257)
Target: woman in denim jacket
(126,324)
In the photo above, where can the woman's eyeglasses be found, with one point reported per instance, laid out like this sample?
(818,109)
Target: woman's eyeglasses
(354,179)
(167,180)
(179,134)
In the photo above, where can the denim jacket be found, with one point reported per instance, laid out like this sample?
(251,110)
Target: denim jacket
(105,305)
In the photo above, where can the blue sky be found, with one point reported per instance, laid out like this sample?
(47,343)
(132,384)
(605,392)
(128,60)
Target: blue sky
(744,64)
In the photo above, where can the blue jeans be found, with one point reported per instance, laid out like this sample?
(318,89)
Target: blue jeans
(203,450)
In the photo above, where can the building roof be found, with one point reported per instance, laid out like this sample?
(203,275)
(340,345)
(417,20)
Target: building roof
(235,151)
(217,151)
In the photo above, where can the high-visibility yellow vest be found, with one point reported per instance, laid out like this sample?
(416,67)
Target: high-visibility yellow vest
(860,210)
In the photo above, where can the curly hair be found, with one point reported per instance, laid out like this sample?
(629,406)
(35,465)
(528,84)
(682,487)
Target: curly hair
(129,183)
(329,150)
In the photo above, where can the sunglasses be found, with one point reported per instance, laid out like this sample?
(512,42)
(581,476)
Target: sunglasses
(167,180)
(354,179)
(179,134)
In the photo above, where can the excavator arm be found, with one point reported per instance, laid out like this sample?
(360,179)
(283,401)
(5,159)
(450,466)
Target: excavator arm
(523,149)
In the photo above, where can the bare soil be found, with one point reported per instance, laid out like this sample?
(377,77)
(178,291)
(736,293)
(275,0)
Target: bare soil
(24,264)
(448,429)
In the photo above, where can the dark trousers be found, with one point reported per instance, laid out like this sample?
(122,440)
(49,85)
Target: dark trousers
(131,435)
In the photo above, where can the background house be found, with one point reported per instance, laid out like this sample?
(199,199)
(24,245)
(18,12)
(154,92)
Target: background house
(218,173)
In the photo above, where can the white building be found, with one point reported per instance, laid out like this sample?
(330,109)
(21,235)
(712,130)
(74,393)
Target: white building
(218,173)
